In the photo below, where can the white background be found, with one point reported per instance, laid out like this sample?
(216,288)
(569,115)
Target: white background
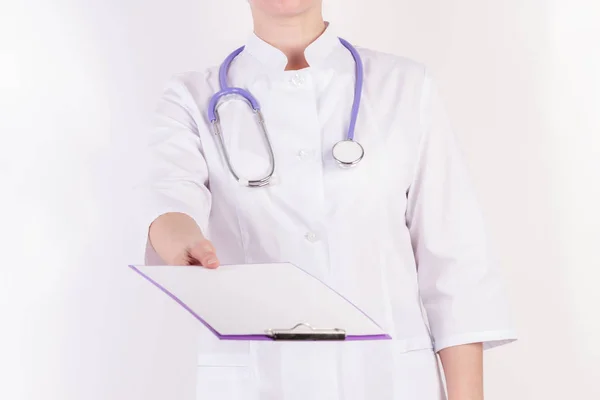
(79,80)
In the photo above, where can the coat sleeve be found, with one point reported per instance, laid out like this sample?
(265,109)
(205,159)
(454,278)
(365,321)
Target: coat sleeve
(176,174)
(462,294)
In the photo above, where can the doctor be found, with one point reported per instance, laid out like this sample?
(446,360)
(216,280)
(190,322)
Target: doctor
(399,232)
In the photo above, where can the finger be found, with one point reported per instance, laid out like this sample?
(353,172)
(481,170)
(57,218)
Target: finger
(205,255)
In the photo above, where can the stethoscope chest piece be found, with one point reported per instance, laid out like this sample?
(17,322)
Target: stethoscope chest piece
(348,153)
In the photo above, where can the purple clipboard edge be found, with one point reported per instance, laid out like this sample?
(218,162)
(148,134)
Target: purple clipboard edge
(247,337)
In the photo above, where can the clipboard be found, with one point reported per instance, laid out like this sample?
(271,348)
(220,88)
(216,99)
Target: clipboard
(270,302)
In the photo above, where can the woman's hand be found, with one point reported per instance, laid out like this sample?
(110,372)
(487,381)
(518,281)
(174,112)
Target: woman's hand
(178,240)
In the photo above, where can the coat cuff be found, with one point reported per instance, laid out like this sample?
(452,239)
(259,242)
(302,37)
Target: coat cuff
(490,339)
(163,204)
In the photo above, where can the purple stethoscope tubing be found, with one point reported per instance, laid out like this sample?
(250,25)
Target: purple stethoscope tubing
(227,90)
(357,88)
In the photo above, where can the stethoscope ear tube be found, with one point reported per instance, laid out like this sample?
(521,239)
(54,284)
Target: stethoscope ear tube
(216,100)
(218,132)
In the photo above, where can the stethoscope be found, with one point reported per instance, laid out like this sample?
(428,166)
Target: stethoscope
(347,153)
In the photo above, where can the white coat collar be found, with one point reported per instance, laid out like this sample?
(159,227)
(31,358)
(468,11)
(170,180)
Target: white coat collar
(271,57)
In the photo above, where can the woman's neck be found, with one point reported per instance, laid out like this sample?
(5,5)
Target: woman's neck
(291,35)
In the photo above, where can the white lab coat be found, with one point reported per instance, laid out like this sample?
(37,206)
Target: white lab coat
(401,234)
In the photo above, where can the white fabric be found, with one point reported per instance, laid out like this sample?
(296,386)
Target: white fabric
(415,375)
(400,227)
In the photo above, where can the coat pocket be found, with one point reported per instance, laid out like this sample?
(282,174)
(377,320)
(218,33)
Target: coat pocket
(225,383)
(213,352)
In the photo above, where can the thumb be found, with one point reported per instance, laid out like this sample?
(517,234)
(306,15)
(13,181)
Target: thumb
(204,253)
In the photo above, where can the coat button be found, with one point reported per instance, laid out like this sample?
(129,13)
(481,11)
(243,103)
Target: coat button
(311,237)
(303,154)
(297,80)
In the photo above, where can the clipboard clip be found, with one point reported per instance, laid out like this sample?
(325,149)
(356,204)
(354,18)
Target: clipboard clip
(304,331)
